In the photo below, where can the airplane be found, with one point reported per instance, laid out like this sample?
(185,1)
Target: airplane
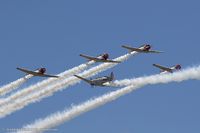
(98,81)
(101,58)
(168,69)
(142,49)
(39,72)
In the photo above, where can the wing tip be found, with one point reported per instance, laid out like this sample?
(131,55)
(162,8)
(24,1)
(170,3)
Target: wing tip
(113,61)
(123,46)
(160,51)
(76,76)
(18,68)
(155,65)
(82,55)
(118,61)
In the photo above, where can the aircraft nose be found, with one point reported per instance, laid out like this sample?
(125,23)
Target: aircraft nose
(106,55)
(148,46)
(178,66)
(43,70)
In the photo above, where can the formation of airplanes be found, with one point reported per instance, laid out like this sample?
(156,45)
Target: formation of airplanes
(100,81)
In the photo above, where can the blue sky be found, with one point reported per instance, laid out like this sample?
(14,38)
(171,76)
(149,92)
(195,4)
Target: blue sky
(53,33)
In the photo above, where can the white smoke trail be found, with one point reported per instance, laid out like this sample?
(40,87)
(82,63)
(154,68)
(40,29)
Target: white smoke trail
(68,114)
(13,85)
(49,90)
(164,78)
(44,83)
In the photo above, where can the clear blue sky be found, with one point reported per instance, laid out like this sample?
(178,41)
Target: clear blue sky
(53,33)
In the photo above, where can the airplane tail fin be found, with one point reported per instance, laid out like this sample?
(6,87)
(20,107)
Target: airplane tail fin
(112,77)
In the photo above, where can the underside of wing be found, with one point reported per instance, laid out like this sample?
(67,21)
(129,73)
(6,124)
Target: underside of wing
(132,48)
(108,61)
(162,67)
(86,80)
(27,71)
(88,57)
(50,76)
(154,51)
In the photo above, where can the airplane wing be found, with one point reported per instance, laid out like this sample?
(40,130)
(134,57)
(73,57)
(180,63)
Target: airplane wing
(97,59)
(153,51)
(111,61)
(163,68)
(36,73)
(50,76)
(27,71)
(86,80)
(88,57)
(132,48)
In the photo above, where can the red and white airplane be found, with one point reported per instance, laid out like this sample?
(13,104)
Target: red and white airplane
(39,72)
(142,49)
(101,58)
(168,69)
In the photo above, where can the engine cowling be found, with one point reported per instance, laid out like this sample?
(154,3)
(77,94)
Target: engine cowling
(147,47)
(105,56)
(178,67)
(42,70)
